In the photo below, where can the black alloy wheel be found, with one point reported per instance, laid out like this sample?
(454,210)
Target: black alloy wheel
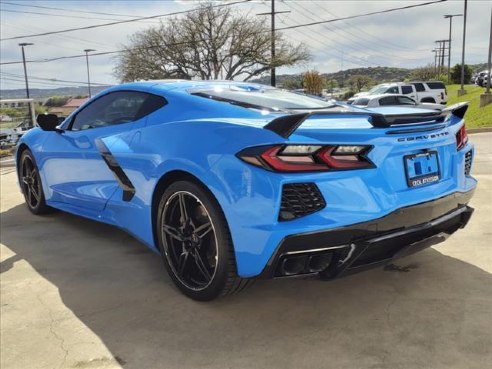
(31,185)
(195,242)
(191,243)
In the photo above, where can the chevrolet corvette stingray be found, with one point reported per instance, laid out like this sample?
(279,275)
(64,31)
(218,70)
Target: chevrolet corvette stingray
(230,182)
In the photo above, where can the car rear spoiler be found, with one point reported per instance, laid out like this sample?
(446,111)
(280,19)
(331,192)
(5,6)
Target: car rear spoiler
(286,125)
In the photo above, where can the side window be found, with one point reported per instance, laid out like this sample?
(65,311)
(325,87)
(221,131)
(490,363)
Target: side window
(436,85)
(419,87)
(116,108)
(390,100)
(392,90)
(405,90)
(403,100)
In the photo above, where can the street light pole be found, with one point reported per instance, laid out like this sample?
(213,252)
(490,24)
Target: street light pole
(22,45)
(489,61)
(462,90)
(450,16)
(87,51)
(486,97)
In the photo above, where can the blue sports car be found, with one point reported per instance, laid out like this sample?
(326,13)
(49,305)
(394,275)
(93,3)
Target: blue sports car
(230,182)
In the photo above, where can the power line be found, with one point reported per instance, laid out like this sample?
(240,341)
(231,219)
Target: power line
(361,62)
(100,53)
(39,83)
(52,79)
(359,37)
(118,22)
(379,40)
(361,15)
(60,37)
(68,10)
(353,59)
(237,2)
(54,15)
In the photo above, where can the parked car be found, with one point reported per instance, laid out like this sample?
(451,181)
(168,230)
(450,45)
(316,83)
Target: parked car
(372,101)
(230,181)
(429,92)
(10,136)
(481,77)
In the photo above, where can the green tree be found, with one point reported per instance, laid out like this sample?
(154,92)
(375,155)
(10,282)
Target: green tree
(456,73)
(56,101)
(359,82)
(209,43)
(331,84)
(426,73)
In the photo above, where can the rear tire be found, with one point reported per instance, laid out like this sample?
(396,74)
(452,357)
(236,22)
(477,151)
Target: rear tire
(195,243)
(31,185)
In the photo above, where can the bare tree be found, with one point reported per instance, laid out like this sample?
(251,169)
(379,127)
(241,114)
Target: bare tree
(313,82)
(209,43)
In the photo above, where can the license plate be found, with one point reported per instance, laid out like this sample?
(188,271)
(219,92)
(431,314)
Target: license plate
(422,169)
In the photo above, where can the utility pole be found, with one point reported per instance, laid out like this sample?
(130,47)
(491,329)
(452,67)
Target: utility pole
(273,81)
(462,90)
(22,45)
(489,66)
(450,16)
(486,97)
(31,112)
(435,60)
(441,55)
(87,51)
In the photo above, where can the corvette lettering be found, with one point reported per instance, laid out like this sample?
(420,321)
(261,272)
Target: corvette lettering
(423,137)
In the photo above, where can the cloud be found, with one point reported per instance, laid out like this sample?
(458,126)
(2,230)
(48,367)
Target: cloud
(403,38)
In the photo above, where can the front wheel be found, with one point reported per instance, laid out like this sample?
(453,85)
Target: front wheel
(195,243)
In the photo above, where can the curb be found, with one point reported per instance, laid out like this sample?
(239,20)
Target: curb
(479,130)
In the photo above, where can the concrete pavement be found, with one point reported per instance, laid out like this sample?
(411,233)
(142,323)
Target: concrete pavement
(78,294)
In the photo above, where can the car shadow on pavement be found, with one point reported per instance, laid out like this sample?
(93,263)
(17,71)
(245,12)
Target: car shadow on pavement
(428,310)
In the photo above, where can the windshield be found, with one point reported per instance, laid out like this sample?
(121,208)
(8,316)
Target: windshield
(263,98)
(361,102)
(377,90)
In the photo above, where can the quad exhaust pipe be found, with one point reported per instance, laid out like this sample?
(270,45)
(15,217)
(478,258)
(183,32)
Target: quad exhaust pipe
(304,264)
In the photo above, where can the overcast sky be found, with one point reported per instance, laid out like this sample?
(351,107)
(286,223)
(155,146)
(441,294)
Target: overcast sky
(399,39)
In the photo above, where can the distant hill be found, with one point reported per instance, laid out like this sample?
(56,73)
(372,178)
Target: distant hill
(478,67)
(378,74)
(44,93)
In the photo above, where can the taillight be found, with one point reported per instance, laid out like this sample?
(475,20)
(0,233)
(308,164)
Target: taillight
(461,138)
(307,158)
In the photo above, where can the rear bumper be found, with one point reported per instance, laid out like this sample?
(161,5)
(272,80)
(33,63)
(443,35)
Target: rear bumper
(341,251)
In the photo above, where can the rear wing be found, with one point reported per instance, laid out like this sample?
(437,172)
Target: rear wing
(286,125)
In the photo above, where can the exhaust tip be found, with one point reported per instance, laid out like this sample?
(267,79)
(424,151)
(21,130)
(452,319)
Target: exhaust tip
(318,263)
(293,265)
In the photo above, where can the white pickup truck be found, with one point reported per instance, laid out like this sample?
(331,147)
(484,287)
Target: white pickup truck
(422,92)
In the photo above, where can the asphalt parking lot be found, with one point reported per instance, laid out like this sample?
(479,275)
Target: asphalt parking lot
(78,294)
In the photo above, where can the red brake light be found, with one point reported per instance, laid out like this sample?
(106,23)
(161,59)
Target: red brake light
(343,161)
(461,138)
(306,158)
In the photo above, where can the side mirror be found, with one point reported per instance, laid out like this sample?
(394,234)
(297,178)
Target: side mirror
(48,122)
